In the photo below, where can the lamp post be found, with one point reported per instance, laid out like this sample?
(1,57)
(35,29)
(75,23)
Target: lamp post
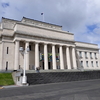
(24,52)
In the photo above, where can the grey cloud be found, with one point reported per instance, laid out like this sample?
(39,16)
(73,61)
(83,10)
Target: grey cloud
(73,15)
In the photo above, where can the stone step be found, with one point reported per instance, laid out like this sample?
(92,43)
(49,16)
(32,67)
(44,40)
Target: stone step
(59,70)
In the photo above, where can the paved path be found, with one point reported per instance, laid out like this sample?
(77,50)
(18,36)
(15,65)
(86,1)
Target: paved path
(83,90)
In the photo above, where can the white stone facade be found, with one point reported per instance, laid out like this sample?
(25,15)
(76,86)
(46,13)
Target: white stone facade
(50,47)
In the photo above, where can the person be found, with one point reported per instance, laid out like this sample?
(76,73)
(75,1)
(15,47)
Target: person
(37,69)
(6,68)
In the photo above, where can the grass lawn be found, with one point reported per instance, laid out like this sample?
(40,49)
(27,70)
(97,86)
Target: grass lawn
(6,79)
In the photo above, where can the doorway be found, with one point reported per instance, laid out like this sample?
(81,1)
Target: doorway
(49,65)
(43,65)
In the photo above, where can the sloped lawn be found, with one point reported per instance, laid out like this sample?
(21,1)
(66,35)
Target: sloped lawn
(6,79)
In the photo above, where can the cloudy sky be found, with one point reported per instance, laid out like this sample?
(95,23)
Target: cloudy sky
(81,17)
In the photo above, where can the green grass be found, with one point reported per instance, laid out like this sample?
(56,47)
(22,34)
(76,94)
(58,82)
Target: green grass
(6,79)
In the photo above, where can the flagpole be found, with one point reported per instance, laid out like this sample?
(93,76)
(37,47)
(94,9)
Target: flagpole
(42,16)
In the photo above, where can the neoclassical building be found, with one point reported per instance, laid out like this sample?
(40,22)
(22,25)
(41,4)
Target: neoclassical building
(50,47)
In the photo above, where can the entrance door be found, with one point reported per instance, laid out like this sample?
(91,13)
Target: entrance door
(43,65)
(49,65)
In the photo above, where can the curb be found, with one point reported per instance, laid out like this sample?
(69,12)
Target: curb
(1,87)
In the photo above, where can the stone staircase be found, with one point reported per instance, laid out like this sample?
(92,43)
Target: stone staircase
(60,76)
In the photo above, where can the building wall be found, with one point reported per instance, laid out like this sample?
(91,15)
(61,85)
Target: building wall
(89,59)
(0,57)
(8,57)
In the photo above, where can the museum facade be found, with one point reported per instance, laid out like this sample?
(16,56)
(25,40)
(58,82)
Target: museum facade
(51,48)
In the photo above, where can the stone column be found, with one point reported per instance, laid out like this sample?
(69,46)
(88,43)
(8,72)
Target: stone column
(53,57)
(27,55)
(68,58)
(74,58)
(45,57)
(16,55)
(61,57)
(36,54)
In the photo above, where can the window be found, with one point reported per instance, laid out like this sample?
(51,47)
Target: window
(30,47)
(87,64)
(91,55)
(81,63)
(58,50)
(19,66)
(86,55)
(80,54)
(97,63)
(95,55)
(7,49)
(92,63)
(39,48)
(6,65)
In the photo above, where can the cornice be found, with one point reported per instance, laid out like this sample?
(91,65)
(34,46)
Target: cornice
(41,21)
(85,43)
(79,47)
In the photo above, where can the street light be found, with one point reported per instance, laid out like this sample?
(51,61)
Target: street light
(23,52)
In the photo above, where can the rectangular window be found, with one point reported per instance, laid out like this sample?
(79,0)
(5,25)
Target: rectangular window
(6,65)
(58,50)
(7,49)
(19,66)
(97,63)
(92,63)
(95,55)
(87,64)
(80,54)
(39,48)
(30,47)
(91,55)
(86,55)
(81,63)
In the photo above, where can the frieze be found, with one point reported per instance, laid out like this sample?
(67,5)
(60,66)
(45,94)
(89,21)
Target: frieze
(32,38)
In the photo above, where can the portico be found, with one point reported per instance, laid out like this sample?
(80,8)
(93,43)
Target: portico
(38,49)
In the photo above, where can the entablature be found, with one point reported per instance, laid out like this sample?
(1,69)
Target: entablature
(42,40)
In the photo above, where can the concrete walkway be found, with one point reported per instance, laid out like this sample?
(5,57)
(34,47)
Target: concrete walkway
(81,90)
(9,86)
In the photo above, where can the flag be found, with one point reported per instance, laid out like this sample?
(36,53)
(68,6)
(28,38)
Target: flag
(41,13)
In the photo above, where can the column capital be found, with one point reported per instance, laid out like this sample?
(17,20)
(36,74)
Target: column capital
(67,46)
(27,41)
(60,45)
(53,44)
(16,40)
(45,43)
(36,42)
(73,46)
